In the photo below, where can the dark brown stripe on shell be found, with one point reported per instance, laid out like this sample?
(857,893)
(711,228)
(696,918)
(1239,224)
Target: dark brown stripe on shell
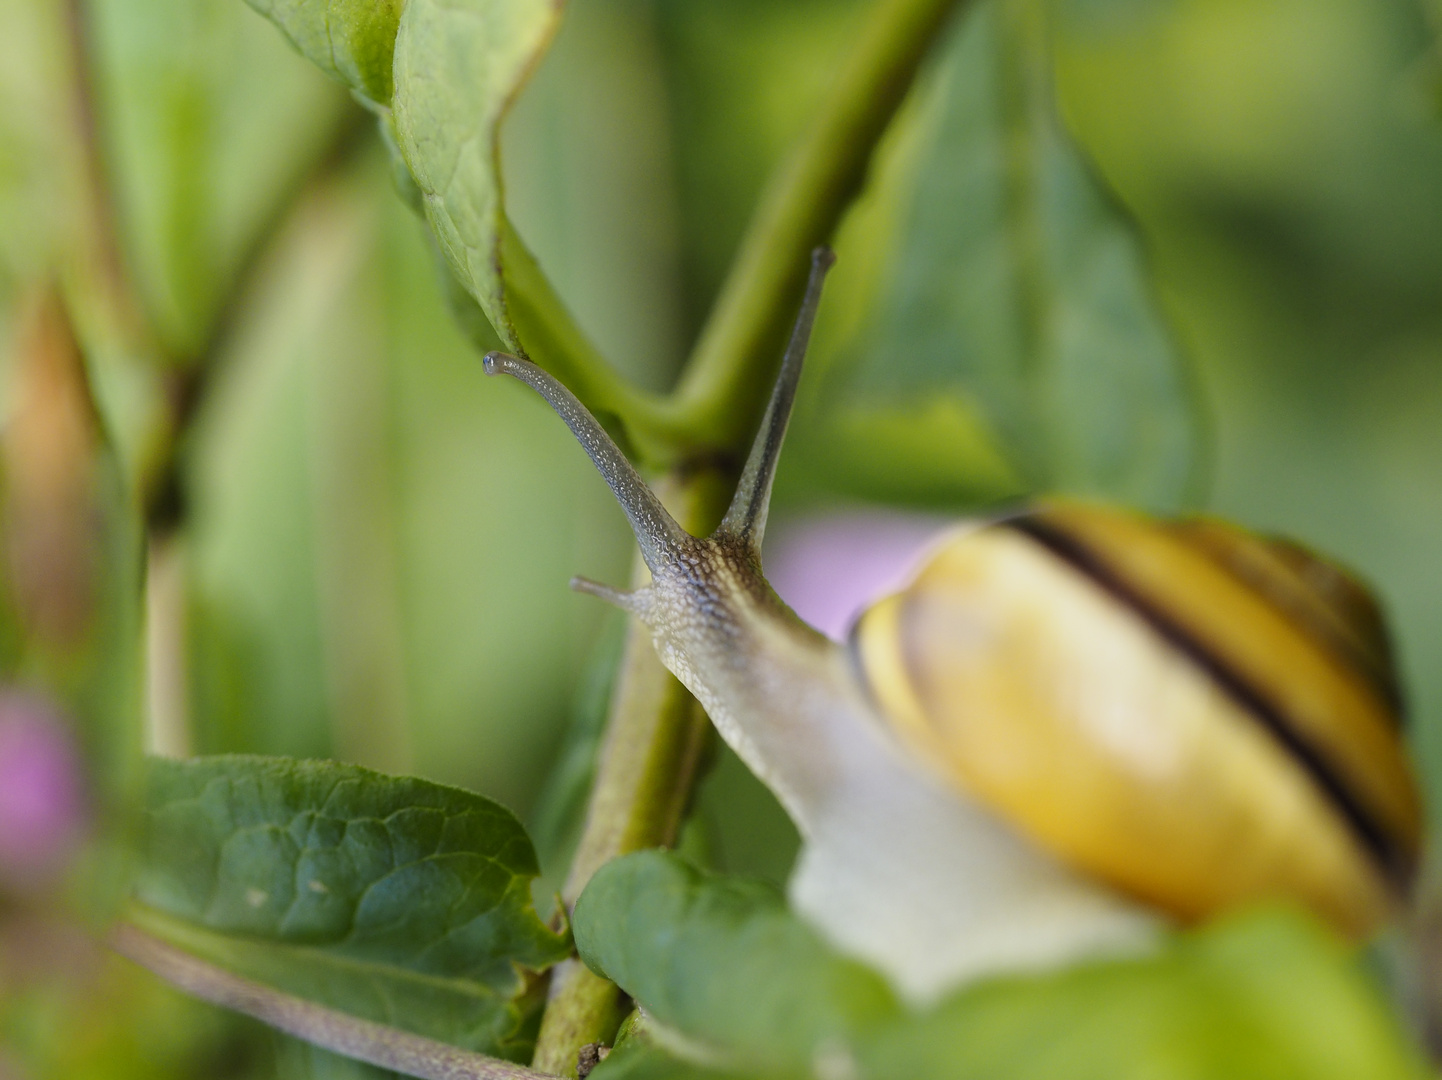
(1396,863)
(1341,637)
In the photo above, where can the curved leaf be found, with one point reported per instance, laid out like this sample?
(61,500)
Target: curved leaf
(393,899)
(723,961)
(443,74)
(990,281)
(735,981)
(459,65)
(1264,995)
(353,40)
(210,127)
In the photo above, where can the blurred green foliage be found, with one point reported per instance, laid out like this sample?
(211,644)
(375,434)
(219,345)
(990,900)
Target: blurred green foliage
(729,977)
(1284,160)
(376,542)
(381,540)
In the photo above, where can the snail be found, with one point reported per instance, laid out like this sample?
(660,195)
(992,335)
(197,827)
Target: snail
(1075,727)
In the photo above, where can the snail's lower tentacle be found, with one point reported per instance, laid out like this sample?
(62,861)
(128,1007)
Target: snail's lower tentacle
(637,601)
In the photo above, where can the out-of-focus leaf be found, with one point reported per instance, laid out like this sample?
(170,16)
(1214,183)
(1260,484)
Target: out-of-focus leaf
(743,77)
(745,829)
(723,961)
(70,1009)
(210,124)
(560,811)
(650,1062)
(992,324)
(458,68)
(70,608)
(353,40)
(353,425)
(1260,996)
(735,979)
(1290,196)
(259,680)
(38,192)
(393,899)
(590,183)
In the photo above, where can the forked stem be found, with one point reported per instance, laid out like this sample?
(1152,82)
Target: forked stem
(647,765)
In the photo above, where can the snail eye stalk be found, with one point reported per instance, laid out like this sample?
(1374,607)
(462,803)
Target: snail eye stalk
(745,519)
(662,541)
(660,538)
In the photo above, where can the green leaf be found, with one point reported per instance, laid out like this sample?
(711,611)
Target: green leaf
(458,67)
(560,811)
(724,962)
(590,175)
(646,1062)
(736,981)
(443,76)
(211,125)
(349,597)
(38,197)
(746,77)
(990,293)
(353,40)
(393,899)
(1267,994)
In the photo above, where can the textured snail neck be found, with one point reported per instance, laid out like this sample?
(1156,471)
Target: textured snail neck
(772,685)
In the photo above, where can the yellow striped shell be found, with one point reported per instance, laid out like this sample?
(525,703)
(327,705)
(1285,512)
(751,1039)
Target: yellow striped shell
(1199,716)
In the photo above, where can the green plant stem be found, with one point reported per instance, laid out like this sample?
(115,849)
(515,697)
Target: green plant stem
(104,274)
(656,731)
(722,391)
(187,379)
(1023,91)
(655,736)
(724,385)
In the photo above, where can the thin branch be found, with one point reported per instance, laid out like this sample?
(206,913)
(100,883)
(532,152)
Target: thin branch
(648,763)
(106,251)
(188,381)
(645,772)
(724,386)
(375,1044)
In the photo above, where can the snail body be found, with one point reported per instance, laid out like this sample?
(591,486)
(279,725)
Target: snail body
(1073,727)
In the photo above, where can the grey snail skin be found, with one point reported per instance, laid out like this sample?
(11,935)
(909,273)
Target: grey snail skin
(1076,727)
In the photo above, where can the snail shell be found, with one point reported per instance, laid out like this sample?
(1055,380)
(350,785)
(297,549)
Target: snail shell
(1072,725)
(1199,716)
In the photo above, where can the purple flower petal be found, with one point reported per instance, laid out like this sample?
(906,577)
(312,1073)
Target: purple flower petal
(42,792)
(833,567)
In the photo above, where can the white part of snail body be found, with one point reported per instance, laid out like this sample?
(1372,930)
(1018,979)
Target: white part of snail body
(898,867)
